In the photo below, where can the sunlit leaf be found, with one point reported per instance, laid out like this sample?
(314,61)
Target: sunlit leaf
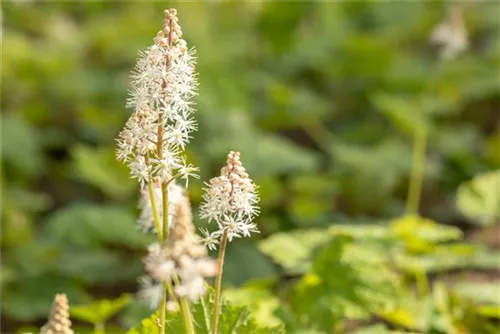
(292,250)
(486,292)
(100,311)
(479,198)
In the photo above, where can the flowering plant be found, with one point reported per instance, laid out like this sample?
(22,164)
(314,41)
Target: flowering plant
(152,144)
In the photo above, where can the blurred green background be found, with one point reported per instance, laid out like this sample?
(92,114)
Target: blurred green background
(320,98)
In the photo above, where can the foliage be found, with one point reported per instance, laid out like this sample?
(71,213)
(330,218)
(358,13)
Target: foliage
(355,272)
(234,319)
(99,312)
(322,100)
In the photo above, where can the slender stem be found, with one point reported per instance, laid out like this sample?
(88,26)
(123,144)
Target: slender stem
(159,233)
(163,311)
(164,196)
(186,316)
(154,208)
(417,172)
(218,282)
(186,312)
(99,328)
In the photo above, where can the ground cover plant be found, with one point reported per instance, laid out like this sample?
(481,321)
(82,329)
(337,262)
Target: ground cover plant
(308,168)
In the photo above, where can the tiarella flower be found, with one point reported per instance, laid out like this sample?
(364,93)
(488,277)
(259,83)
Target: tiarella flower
(230,200)
(163,85)
(210,240)
(451,35)
(150,291)
(146,218)
(183,257)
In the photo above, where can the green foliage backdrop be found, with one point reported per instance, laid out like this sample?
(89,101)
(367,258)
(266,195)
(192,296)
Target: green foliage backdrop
(321,98)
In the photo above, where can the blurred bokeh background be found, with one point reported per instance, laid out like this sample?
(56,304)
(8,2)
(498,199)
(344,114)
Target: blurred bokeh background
(322,99)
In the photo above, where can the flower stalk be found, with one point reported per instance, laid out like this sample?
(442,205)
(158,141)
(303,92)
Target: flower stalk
(417,172)
(231,201)
(218,283)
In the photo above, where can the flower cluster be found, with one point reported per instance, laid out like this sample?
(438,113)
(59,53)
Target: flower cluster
(231,201)
(146,216)
(183,257)
(451,35)
(163,85)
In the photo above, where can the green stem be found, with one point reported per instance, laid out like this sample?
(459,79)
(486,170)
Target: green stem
(164,196)
(99,328)
(159,233)
(218,282)
(186,312)
(154,208)
(163,311)
(417,172)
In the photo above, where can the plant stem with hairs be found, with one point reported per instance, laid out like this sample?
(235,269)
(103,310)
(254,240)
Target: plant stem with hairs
(417,172)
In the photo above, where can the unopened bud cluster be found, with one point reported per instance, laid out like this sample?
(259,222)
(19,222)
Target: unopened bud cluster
(59,322)
(231,201)
(163,85)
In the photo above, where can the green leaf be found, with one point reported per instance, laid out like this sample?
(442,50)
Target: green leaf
(405,114)
(420,235)
(490,311)
(450,257)
(244,262)
(479,198)
(409,312)
(292,250)
(259,300)
(488,293)
(262,153)
(99,168)
(31,297)
(99,312)
(347,279)
(148,326)
(94,225)
(374,329)
(99,266)
(362,232)
(21,146)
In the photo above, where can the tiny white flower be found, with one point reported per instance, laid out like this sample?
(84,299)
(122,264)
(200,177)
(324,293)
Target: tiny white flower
(247,228)
(210,240)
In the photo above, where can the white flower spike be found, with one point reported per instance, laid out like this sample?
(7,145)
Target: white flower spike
(163,85)
(231,200)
